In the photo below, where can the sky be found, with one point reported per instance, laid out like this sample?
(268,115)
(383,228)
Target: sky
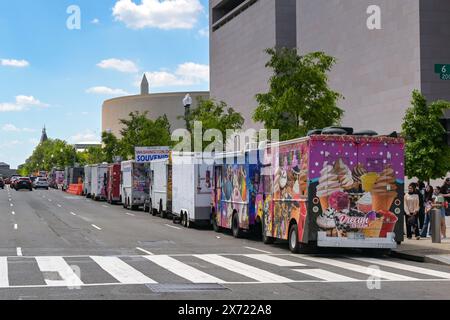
(59,60)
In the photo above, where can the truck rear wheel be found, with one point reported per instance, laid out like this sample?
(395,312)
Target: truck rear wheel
(294,245)
(237,232)
(216,227)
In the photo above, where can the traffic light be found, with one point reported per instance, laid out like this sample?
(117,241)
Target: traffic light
(446,124)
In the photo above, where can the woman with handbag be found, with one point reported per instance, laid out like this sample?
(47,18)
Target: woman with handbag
(412,207)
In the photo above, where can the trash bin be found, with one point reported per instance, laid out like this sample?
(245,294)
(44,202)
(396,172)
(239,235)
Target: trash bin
(436,225)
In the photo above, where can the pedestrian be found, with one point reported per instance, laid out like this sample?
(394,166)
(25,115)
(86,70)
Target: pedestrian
(412,207)
(429,194)
(445,190)
(420,192)
(439,204)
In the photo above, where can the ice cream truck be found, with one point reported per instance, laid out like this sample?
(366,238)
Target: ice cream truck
(113,183)
(236,182)
(99,182)
(87,183)
(192,187)
(333,191)
(134,184)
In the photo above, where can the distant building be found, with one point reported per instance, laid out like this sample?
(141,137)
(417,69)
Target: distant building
(44,135)
(155,104)
(79,147)
(6,171)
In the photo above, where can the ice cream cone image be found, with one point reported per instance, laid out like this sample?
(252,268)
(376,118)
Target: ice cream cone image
(328,184)
(384,190)
(374,228)
(368,180)
(344,174)
(324,203)
(382,202)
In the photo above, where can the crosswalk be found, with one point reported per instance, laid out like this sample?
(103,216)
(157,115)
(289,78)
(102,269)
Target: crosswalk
(79,271)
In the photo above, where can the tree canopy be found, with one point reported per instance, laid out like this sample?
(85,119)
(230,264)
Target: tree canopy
(299,98)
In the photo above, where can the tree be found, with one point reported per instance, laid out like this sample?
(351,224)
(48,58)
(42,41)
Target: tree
(140,131)
(427,154)
(111,146)
(299,98)
(214,115)
(93,155)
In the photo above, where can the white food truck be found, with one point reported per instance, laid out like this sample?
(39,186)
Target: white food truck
(98,181)
(134,184)
(87,184)
(160,201)
(192,187)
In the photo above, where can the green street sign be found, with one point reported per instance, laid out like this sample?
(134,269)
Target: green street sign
(442,68)
(445,76)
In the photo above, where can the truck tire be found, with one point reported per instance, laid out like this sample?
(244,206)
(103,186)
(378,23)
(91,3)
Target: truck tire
(237,232)
(216,227)
(183,219)
(162,213)
(151,209)
(294,245)
(188,222)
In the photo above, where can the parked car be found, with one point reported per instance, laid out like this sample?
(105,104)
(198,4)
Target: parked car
(13,180)
(23,183)
(40,182)
(2,183)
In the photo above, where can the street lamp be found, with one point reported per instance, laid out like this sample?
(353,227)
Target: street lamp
(187,102)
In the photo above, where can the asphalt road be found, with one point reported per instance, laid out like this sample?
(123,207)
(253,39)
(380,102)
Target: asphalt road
(57,246)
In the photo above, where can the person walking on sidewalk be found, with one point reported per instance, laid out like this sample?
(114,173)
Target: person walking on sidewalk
(439,204)
(419,188)
(445,190)
(429,193)
(412,208)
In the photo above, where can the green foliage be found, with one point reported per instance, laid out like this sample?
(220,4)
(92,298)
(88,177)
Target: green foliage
(111,146)
(93,155)
(427,155)
(299,98)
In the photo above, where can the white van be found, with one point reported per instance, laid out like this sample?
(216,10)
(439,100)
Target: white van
(98,181)
(87,184)
(160,201)
(192,187)
(134,184)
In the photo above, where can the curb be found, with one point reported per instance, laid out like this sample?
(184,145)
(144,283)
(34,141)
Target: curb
(416,258)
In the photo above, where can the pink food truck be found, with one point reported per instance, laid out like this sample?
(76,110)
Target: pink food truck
(333,191)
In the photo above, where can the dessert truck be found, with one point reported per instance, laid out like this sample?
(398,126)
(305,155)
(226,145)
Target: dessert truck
(98,179)
(134,184)
(332,191)
(192,187)
(113,183)
(236,181)
(160,196)
(87,184)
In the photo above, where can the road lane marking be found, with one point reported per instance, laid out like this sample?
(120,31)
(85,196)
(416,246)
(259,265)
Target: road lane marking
(356,268)
(130,214)
(105,206)
(13,213)
(121,271)
(19,251)
(59,205)
(259,250)
(243,269)
(50,200)
(145,251)
(405,267)
(168,225)
(60,266)
(15,226)
(4,281)
(74,214)
(11,205)
(183,270)
(274,260)
(96,227)
(325,275)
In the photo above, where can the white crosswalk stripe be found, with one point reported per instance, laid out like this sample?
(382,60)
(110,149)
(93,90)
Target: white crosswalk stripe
(275,260)
(121,271)
(244,269)
(59,266)
(4,282)
(325,275)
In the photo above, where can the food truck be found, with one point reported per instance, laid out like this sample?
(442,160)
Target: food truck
(98,180)
(192,187)
(236,182)
(333,191)
(73,175)
(160,193)
(55,178)
(87,183)
(134,184)
(113,183)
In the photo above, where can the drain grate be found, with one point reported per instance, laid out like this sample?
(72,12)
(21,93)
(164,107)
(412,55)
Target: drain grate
(171,288)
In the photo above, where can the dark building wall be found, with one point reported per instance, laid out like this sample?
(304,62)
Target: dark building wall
(434,47)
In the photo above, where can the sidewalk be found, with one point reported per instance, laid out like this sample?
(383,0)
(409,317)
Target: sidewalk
(424,250)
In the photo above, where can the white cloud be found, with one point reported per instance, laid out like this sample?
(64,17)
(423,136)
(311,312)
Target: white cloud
(14,63)
(107,91)
(86,136)
(119,65)
(22,103)
(204,32)
(95,21)
(186,74)
(161,14)
(9,127)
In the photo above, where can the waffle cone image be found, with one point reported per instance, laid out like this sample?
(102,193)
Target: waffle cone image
(374,228)
(324,203)
(382,202)
(384,190)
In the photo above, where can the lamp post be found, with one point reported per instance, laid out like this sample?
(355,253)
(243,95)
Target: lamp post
(187,102)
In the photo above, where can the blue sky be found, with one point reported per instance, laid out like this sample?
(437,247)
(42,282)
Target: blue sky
(52,75)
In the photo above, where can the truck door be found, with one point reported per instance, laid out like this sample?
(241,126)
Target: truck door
(217,193)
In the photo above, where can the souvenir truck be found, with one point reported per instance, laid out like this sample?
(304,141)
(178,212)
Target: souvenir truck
(113,183)
(160,193)
(98,180)
(333,191)
(87,183)
(236,181)
(192,187)
(135,182)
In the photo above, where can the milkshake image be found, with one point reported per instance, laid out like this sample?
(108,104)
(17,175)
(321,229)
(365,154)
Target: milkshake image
(328,184)
(344,174)
(384,190)
(357,173)
(368,180)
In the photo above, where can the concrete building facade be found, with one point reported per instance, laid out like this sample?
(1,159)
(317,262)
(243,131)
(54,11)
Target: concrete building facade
(157,104)
(376,70)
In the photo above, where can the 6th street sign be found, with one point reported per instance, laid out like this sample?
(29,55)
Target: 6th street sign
(443,70)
